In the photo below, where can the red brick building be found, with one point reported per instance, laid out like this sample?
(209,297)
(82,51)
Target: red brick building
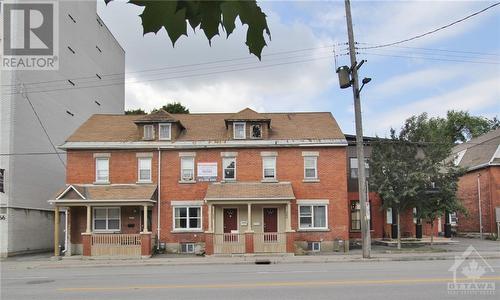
(214,183)
(479,188)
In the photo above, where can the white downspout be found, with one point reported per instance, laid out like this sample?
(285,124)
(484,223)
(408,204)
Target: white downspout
(158,198)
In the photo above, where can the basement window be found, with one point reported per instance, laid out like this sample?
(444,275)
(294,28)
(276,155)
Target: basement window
(314,246)
(187,248)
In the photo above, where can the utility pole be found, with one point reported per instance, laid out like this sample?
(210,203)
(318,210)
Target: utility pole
(362,191)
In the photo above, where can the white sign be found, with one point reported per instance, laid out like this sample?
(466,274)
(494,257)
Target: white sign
(207,171)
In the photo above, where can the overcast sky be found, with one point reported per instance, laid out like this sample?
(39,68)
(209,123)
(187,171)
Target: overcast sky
(406,81)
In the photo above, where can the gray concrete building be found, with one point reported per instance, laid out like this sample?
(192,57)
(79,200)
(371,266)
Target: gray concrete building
(40,109)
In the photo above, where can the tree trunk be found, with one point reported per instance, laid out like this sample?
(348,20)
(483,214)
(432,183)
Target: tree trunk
(399,230)
(432,232)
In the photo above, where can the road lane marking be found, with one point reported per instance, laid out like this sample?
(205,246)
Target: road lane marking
(24,278)
(270,284)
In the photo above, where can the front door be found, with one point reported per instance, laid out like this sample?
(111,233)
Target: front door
(271,219)
(230,220)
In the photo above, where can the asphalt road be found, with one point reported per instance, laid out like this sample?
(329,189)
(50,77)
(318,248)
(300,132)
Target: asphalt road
(358,280)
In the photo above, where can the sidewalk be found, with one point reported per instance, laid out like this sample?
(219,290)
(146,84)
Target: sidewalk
(487,249)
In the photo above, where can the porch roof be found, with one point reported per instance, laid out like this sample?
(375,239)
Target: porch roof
(250,191)
(116,194)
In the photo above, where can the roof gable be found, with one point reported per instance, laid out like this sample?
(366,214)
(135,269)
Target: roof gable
(478,152)
(156,117)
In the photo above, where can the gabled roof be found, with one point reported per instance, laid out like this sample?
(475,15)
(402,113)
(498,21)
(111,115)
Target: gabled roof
(250,191)
(155,117)
(210,127)
(479,152)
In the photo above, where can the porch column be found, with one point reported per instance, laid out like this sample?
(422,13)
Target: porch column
(145,219)
(288,217)
(68,232)
(210,227)
(249,217)
(56,231)
(89,219)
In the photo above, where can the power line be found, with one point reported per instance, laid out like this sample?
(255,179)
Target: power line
(448,50)
(432,31)
(433,54)
(430,58)
(179,77)
(43,127)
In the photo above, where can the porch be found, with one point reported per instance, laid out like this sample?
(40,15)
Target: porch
(105,220)
(249,218)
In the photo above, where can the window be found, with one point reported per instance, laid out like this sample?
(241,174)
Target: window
(188,217)
(312,217)
(107,219)
(187,168)
(144,169)
(314,246)
(269,167)
(355,216)
(239,131)
(354,168)
(149,132)
(102,169)
(165,131)
(2,180)
(310,167)
(256,131)
(187,248)
(229,168)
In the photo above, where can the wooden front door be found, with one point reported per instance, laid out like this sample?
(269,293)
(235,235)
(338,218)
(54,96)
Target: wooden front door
(230,219)
(271,219)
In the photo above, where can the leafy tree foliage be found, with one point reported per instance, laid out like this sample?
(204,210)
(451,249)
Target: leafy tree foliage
(173,15)
(174,108)
(138,111)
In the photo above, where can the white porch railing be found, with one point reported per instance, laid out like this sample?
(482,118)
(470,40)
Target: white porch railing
(229,243)
(109,244)
(269,242)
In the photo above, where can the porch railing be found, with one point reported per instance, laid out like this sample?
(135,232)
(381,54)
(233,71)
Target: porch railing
(229,243)
(269,242)
(109,244)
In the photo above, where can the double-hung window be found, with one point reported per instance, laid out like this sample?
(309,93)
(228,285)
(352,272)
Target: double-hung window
(355,216)
(310,167)
(107,219)
(269,167)
(102,169)
(229,168)
(239,130)
(354,168)
(165,130)
(149,132)
(187,217)
(144,169)
(187,168)
(312,217)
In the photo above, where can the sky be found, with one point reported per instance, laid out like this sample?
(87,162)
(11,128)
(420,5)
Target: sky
(457,68)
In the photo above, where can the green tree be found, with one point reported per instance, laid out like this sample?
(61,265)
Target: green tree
(395,175)
(138,111)
(173,15)
(173,108)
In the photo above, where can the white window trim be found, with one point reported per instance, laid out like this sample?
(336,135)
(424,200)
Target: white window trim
(187,208)
(96,177)
(315,159)
(244,130)
(312,218)
(194,168)
(139,170)
(152,132)
(169,132)
(274,166)
(356,166)
(224,169)
(251,132)
(107,219)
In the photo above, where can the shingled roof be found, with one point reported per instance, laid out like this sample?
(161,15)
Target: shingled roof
(479,152)
(210,127)
(158,116)
(250,191)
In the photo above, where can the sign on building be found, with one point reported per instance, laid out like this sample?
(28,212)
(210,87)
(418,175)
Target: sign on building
(207,171)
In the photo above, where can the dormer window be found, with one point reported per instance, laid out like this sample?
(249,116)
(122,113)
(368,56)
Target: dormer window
(256,131)
(239,129)
(165,131)
(149,132)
